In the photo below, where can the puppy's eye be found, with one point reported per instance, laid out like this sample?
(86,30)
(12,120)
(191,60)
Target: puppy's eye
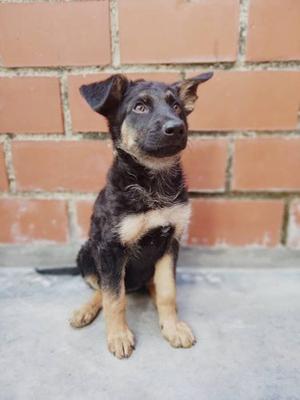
(140,108)
(176,108)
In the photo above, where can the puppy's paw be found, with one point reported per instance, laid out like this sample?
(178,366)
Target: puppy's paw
(178,334)
(83,317)
(121,343)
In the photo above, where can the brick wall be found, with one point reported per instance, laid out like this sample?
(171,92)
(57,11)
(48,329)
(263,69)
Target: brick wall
(243,159)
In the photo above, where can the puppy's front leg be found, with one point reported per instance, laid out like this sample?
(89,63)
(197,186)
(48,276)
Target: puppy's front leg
(176,332)
(111,263)
(120,339)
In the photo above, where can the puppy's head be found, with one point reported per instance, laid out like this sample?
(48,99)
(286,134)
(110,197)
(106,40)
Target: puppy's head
(146,119)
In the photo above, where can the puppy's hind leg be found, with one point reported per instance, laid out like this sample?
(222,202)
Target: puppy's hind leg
(88,311)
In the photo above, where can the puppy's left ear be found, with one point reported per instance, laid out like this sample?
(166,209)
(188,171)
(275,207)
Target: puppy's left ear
(187,90)
(105,96)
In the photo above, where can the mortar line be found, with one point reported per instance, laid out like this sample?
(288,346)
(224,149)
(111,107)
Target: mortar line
(182,74)
(245,195)
(243,30)
(298,119)
(229,164)
(214,193)
(287,66)
(114,33)
(39,195)
(64,97)
(285,222)
(9,165)
(60,137)
(244,134)
(72,221)
(104,136)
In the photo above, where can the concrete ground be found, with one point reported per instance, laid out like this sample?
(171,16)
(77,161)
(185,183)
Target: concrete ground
(247,323)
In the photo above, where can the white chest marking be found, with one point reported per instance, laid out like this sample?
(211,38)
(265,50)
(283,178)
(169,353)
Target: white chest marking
(134,226)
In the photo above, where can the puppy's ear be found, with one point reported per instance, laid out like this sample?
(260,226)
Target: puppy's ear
(106,95)
(187,90)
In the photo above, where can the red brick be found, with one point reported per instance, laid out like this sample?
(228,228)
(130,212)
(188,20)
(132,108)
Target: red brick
(84,212)
(294,225)
(3,172)
(178,31)
(24,220)
(57,166)
(273,30)
(84,119)
(30,105)
(267,164)
(204,164)
(54,34)
(249,100)
(236,222)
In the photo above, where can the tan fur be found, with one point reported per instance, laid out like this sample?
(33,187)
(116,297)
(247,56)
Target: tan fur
(187,97)
(133,227)
(165,289)
(176,332)
(158,163)
(128,136)
(128,144)
(88,312)
(120,339)
(92,281)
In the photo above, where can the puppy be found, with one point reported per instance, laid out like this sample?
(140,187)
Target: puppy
(140,215)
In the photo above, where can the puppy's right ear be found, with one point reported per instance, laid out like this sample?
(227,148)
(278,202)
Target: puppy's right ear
(105,96)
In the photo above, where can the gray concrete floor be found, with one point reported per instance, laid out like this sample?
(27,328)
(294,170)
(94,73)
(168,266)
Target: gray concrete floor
(247,323)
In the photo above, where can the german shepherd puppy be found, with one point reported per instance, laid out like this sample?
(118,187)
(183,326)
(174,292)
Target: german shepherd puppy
(140,215)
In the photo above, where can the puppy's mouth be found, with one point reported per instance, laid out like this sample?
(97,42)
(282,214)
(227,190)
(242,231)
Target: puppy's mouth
(161,151)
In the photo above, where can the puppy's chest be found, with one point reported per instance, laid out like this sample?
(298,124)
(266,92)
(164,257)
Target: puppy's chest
(134,226)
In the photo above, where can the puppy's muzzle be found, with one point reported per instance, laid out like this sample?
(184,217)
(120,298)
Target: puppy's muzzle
(174,128)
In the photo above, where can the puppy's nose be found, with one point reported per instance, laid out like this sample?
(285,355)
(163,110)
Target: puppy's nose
(171,128)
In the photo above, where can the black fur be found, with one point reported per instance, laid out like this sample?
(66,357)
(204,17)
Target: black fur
(116,201)
(155,115)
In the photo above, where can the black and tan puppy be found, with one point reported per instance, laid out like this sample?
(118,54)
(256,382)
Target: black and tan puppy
(140,215)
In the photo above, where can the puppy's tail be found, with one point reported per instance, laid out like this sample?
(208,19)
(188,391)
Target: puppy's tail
(58,271)
(85,264)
